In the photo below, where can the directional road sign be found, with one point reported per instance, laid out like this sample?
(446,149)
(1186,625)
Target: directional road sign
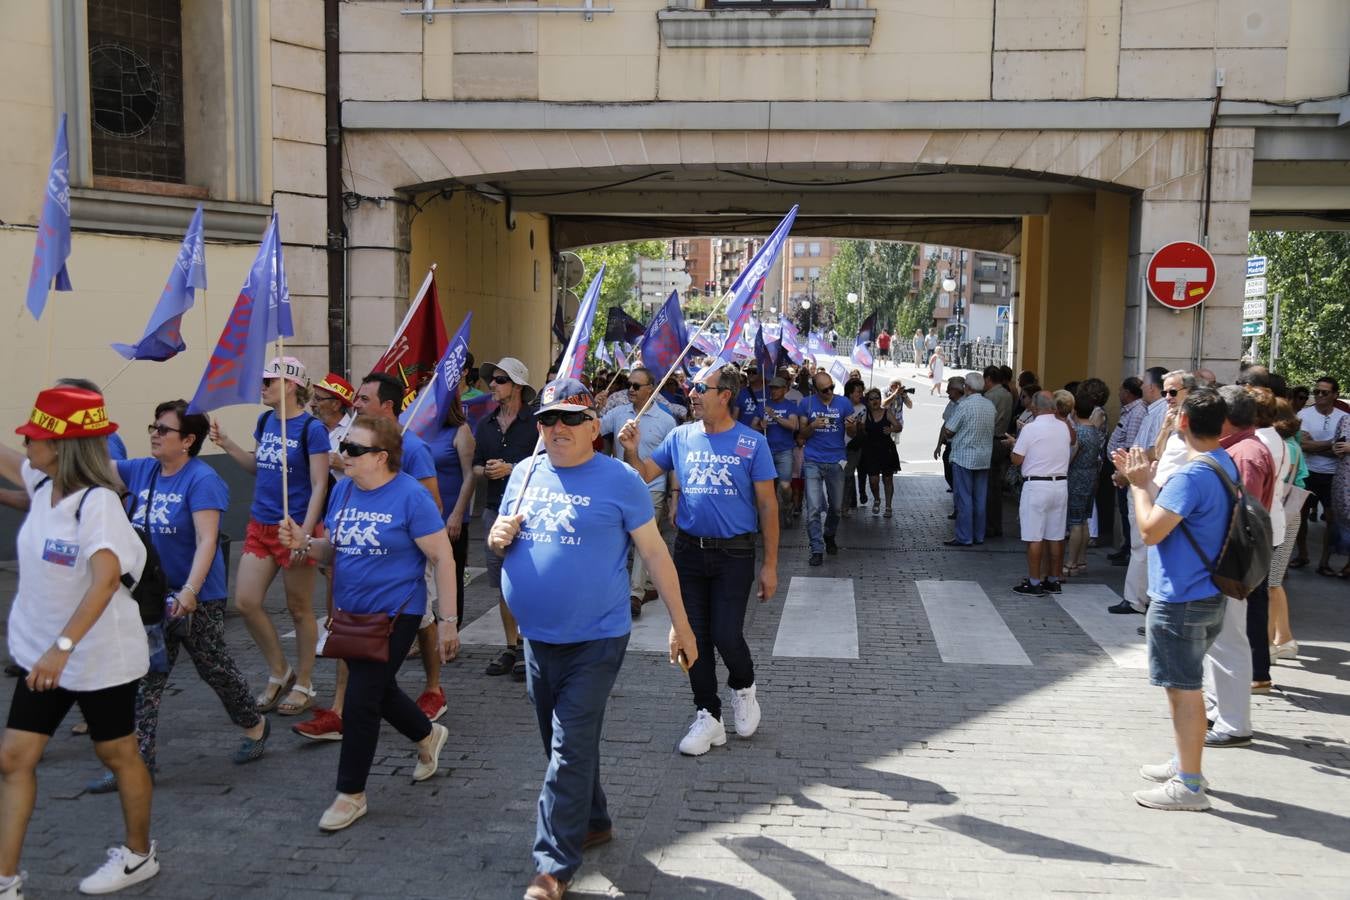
(1181,275)
(1256,265)
(1255,287)
(1255,308)
(1252,329)
(1003,315)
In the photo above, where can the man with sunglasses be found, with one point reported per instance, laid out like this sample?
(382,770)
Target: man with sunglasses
(502,440)
(1320,422)
(825,421)
(656,423)
(564,535)
(724,500)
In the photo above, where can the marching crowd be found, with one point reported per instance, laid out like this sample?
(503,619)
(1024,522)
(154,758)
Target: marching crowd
(693,481)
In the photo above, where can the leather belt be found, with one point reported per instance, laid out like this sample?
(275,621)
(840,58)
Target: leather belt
(1046,477)
(738,542)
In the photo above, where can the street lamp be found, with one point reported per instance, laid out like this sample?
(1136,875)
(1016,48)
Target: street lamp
(806,311)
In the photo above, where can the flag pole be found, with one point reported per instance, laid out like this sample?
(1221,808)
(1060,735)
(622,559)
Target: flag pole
(285,455)
(683,353)
(107,384)
(417,403)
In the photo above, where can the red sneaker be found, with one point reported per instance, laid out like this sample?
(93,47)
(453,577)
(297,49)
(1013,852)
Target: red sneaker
(432,704)
(325,726)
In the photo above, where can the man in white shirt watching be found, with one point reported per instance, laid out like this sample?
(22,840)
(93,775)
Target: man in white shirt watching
(1043,450)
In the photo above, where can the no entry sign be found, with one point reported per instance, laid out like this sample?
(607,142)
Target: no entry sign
(1181,275)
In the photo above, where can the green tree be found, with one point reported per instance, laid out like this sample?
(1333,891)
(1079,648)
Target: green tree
(880,273)
(620,262)
(1311,272)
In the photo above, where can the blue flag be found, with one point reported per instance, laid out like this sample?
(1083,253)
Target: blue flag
(742,294)
(574,357)
(765,356)
(602,354)
(665,339)
(429,418)
(861,354)
(792,344)
(53,232)
(838,373)
(260,315)
(816,343)
(163,338)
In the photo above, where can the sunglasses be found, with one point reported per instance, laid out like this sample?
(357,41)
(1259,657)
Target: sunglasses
(827,389)
(1173,392)
(571,418)
(353,450)
(1321,393)
(637,387)
(703,388)
(161,430)
(501,379)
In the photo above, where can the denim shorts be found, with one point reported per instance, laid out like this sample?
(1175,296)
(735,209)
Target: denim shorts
(782,462)
(1179,636)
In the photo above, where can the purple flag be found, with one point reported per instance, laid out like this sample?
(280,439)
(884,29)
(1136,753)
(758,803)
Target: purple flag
(665,339)
(602,354)
(163,338)
(477,408)
(707,343)
(574,357)
(816,343)
(792,344)
(260,315)
(53,232)
(429,419)
(742,294)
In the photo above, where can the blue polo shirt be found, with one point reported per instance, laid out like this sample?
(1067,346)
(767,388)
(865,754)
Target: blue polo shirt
(717,475)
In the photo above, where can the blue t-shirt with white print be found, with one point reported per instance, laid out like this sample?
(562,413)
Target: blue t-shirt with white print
(717,475)
(565,576)
(378,567)
(193,488)
(266,508)
(826,444)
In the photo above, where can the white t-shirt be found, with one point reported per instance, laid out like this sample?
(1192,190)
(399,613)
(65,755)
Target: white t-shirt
(1320,427)
(1279,454)
(1175,454)
(54,574)
(1044,445)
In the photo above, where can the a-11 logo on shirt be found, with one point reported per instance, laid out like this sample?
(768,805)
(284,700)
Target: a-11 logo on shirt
(745,446)
(62,553)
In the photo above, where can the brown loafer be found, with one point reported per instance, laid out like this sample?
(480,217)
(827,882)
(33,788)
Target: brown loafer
(596,838)
(545,887)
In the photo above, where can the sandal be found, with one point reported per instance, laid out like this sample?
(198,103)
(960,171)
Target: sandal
(504,662)
(287,708)
(276,690)
(80,727)
(1299,563)
(1327,571)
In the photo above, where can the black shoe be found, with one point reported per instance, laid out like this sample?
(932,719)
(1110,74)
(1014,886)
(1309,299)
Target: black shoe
(1139,631)
(1121,561)
(1215,739)
(1031,590)
(990,534)
(831,547)
(955,543)
(951,515)
(1123,608)
(1122,553)
(635,606)
(1052,586)
(816,560)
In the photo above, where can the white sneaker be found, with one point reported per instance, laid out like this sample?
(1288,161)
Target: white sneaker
(1287,650)
(121,870)
(1174,795)
(14,890)
(745,711)
(703,735)
(1165,772)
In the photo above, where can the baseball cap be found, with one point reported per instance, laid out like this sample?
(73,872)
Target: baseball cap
(565,395)
(514,369)
(287,367)
(67,412)
(339,387)
(777,382)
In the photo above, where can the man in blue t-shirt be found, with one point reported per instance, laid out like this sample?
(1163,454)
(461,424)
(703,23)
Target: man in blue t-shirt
(780,427)
(750,399)
(724,500)
(826,424)
(565,527)
(1186,609)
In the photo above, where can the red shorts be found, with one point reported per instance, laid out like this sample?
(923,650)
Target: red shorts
(261,541)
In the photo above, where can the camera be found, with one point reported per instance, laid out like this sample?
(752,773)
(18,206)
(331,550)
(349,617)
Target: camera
(910,390)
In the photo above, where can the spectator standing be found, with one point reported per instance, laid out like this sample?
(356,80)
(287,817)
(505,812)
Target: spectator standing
(1136,575)
(920,357)
(1320,422)
(884,345)
(970,430)
(1083,469)
(1043,451)
(956,389)
(997,393)
(878,460)
(1132,412)
(1282,643)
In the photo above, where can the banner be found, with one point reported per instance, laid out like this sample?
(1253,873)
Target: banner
(665,339)
(426,417)
(260,315)
(163,338)
(838,373)
(419,342)
(573,361)
(53,232)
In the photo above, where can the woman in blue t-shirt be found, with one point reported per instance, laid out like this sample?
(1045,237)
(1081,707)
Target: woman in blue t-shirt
(179,499)
(289,691)
(452,450)
(383,528)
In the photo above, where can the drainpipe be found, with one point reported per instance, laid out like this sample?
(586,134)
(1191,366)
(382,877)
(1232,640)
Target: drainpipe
(1198,320)
(337,230)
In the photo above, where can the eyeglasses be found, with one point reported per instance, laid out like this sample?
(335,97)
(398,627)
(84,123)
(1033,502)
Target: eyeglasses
(1319,392)
(161,430)
(1173,392)
(348,448)
(637,387)
(571,418)
(501,379)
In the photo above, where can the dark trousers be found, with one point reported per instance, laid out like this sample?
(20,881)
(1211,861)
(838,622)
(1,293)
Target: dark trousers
(715,585)
(461,550)
(1123,507)
(373,694)
(1258,617)
(1106,504)
(947,463)
(569,685)
(993,489)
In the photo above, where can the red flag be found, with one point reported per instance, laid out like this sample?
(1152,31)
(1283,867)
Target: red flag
(419,342)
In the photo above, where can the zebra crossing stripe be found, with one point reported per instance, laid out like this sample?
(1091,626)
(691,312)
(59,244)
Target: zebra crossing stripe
(486,629)
(651,630)
(1086,604)
(966,626)
(819,621)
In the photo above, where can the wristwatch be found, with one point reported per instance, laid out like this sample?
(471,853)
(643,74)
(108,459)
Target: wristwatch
(65,644)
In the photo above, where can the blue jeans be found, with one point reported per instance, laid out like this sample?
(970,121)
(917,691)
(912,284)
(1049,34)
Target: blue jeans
(824,483)
(969,486)
(1179,636)
(569,685)
(782,464)
(716,585)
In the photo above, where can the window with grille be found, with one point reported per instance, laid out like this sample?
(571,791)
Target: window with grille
(136,89)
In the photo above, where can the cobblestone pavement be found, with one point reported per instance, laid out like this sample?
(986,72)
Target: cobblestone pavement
(893,775)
